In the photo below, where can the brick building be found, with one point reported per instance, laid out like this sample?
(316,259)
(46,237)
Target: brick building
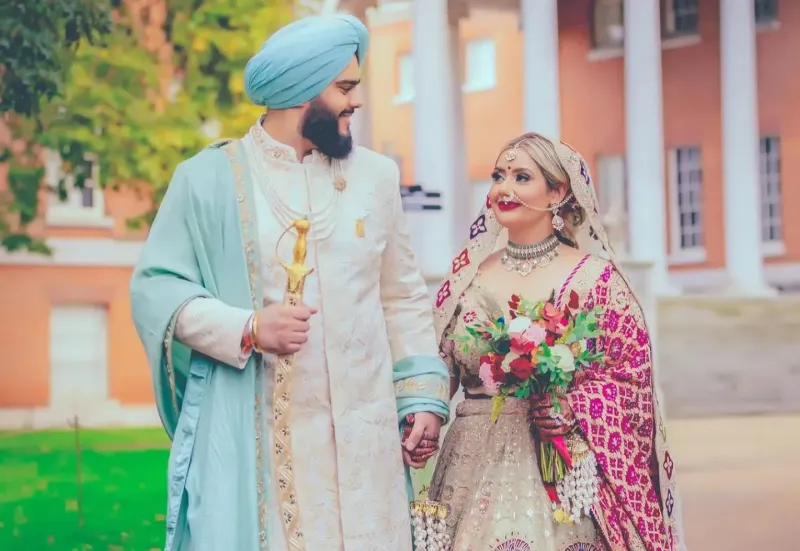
(682,108)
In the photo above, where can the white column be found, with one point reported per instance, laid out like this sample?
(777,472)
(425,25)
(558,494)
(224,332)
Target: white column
(542,107)
(742,197)
(644,138)
(361,122)
(438,144)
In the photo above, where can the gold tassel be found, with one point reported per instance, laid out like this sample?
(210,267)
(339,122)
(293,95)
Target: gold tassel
(360,230)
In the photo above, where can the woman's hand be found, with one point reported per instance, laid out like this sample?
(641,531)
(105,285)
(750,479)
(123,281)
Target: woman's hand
(420,438)
(549,423)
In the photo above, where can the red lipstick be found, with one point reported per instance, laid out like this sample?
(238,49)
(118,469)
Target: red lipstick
(505,206)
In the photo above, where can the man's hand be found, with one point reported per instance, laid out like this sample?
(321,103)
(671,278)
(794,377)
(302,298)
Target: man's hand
(282,329)
(549,423)
(423,440)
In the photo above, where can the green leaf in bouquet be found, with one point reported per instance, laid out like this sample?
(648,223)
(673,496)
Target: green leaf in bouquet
(527,308)
(556,402)
(498,401)
(523,391)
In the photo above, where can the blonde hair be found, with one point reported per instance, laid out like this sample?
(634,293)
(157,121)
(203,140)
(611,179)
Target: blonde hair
(542,151)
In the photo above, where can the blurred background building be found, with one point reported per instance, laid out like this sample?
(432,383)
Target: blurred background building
(682,108)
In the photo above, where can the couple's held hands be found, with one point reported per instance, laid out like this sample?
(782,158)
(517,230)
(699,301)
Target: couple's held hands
(281,329)
(420,438)
(548,421)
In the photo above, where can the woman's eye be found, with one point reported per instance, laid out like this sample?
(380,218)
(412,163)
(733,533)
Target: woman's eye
(497,177)
(523,178)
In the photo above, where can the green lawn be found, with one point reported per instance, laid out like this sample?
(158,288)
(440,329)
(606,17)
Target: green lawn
(124,490)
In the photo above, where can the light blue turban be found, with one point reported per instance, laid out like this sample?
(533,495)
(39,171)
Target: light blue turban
(303,58)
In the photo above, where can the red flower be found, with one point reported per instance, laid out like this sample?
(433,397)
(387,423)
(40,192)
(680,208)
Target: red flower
(574,300)
(497,373)
(550,339)
(521,368)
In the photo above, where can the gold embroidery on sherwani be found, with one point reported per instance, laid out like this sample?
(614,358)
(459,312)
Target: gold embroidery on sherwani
(348,467)
(248,230)
(296,273)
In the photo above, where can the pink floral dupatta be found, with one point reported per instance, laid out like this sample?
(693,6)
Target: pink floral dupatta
(617,406)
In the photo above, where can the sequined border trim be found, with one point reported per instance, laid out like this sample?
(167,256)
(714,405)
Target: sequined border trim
(169,338)
(248,229)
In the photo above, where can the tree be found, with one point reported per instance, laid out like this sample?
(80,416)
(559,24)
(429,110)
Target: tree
(138,102)
(37,43)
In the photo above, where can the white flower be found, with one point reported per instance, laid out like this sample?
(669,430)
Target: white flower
(505,367)
(563,358)
(519,324)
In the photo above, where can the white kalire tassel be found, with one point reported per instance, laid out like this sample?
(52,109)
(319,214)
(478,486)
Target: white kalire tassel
(430,528)
(577,491)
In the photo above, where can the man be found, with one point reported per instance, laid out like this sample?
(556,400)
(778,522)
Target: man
(207,299)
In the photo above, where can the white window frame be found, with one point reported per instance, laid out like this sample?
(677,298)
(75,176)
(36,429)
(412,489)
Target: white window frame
(478,76)
(770,180)
(668,20)
(600,52)
(405,78)
(70,212)
(678,253)
(608,34)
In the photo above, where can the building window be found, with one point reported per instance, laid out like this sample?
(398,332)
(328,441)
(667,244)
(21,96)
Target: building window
(76,206)
(608,29)
(78,342)
(405,78)
(766,11)
(680,17)
(481,65)
(613,197)
(686,183)
(770,161)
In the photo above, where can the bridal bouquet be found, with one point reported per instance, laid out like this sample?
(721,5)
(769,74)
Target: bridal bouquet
(537,352)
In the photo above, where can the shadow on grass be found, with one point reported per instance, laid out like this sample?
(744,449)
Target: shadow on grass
(124,490)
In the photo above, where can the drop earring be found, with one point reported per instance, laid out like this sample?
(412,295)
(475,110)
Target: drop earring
(558,222)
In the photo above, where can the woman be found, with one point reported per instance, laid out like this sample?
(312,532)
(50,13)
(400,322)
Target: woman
(488,473)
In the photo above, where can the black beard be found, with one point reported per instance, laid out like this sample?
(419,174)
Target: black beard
(321,127)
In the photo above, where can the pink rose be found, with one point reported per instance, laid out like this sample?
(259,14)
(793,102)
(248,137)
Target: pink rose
(550,312)
(528,340)
(489,384)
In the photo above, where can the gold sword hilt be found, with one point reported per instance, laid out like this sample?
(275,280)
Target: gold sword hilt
(296,271)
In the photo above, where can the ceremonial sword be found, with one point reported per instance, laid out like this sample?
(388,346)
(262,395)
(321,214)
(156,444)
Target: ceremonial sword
(282,395)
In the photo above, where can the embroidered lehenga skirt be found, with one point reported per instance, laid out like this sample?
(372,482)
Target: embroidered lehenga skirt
(488,475)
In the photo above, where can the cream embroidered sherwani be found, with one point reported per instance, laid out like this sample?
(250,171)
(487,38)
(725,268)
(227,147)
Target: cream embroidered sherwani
(373,311)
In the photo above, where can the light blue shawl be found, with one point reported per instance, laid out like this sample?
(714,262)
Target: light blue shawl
(203,244)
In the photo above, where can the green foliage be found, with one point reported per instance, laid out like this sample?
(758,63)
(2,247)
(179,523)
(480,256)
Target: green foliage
(36,43)
(138,101)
